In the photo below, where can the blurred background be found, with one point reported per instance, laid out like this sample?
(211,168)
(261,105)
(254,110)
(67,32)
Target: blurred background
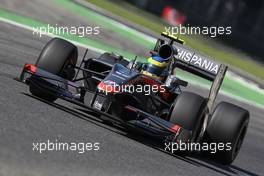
(129,27)
(246,17)
(242,50)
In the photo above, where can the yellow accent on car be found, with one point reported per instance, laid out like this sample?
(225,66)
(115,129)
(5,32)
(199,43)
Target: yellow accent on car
(177,39)
(152,76)
(156,63)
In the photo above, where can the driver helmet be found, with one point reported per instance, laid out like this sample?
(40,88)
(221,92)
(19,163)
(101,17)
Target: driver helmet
(155,66)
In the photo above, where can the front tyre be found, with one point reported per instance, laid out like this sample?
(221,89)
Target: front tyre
(58,57)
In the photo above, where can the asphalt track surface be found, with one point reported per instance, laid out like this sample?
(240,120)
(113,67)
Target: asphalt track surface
(25,119)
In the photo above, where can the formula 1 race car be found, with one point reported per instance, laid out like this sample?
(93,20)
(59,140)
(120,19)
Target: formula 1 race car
(145,97)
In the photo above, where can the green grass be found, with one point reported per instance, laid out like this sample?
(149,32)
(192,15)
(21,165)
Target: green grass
(156,24)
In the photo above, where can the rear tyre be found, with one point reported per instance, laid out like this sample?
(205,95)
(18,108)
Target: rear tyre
(58,57)
(187,111)
(228,125)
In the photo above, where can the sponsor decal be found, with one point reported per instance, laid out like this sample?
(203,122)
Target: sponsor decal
(197,60)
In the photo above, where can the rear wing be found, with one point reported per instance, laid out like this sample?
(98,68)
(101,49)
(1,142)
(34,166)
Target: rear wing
(189,60)
(195,63)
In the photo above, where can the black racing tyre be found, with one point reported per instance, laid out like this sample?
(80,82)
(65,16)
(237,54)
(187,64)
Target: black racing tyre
(228,125)
(40,92)
(58,57)
(187,111)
